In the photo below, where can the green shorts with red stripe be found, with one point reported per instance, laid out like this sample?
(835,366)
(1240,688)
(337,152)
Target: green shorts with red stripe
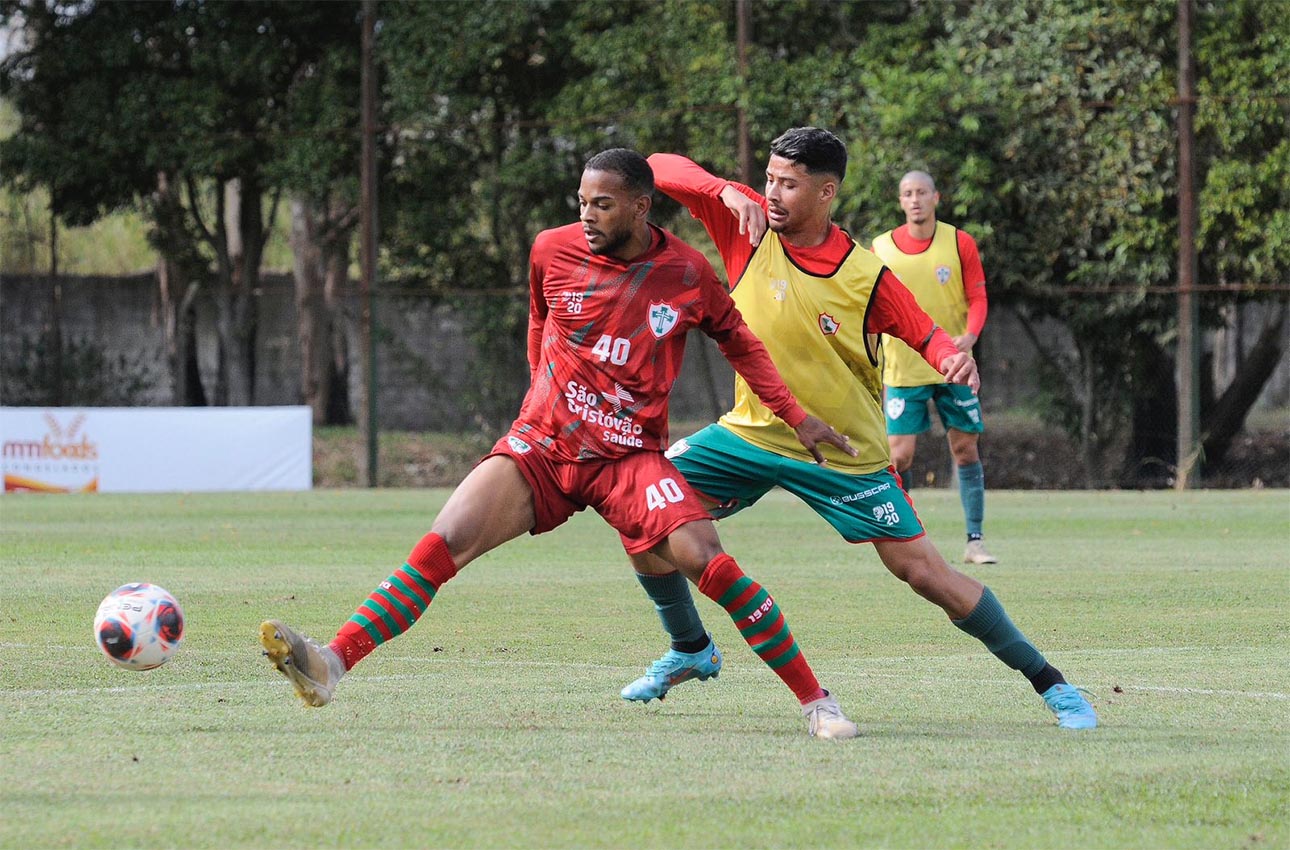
(734,473)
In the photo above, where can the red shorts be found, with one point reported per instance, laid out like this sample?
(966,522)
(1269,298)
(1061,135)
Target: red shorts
(641,495)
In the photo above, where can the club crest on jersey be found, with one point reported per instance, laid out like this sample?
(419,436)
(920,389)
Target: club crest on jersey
(943,275)
(895,407)
(829,325)
(518,446)
(662,318)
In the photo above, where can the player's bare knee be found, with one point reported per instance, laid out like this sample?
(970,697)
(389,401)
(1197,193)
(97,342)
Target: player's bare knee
(963,448)
(690,548)
(926,573)
(922,578)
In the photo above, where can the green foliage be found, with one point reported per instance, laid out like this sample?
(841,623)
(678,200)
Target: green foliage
(1243,77)
(1050,126)
(475,172)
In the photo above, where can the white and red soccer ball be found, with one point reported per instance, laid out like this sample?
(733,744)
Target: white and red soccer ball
(139,626)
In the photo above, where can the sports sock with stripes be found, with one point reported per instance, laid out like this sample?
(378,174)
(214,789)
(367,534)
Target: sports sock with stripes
(759,620)
(397,602)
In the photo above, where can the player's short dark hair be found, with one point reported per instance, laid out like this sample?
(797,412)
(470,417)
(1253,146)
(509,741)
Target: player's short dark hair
(819,151)
(637,175)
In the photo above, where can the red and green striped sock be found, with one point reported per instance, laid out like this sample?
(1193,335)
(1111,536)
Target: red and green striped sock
(397,602)
(759,620)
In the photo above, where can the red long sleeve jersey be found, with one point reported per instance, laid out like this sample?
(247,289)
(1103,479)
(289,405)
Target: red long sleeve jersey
(606,340)
(893,310)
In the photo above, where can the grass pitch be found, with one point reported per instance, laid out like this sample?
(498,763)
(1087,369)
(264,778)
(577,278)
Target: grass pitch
(496,722)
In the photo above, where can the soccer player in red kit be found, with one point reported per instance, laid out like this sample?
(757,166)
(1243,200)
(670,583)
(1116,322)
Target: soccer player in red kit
(818,301)
(611,299)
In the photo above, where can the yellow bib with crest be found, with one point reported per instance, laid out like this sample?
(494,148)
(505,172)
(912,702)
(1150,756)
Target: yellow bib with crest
(935,277)
(813,328)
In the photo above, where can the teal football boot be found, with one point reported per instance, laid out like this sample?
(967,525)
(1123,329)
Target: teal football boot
(673,669)
(1072,710)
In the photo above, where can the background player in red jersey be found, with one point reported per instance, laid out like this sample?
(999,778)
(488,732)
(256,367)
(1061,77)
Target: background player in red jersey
(817,301)
(611,299)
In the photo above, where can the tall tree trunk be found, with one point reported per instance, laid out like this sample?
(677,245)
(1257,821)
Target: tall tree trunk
(1088,440)
(244,244)
(181,271)
(1226,418)
(57,382)
(167,314)
(223,300)
(1151,455)
(336,284)
(320,237)
(167,317)
(186,349)
(312,328)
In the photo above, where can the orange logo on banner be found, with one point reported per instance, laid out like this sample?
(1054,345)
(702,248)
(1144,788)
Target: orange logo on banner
(44,466)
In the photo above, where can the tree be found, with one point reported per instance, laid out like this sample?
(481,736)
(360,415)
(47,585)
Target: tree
(1051,128)
(1243,65)
(317,164)
(180,107)
(475,169)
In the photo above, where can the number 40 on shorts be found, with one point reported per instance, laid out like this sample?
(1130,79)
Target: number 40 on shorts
(660,495)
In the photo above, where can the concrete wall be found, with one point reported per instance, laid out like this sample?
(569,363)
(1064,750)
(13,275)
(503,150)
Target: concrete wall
(430,372)
(431,375)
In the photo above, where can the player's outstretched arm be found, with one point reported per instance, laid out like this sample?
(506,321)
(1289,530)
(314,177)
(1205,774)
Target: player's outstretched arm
(813,431)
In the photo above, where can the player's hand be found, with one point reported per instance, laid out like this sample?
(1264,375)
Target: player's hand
(965,342)
(814,431)
(752,218)
(961,369)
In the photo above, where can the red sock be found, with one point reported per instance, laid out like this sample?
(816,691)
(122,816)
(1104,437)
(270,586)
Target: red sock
(397,602)
(759,620)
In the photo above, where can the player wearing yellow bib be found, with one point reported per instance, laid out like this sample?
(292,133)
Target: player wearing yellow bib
(941,266)
(818,302)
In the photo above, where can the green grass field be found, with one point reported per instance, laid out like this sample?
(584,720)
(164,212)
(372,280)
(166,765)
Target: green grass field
(496,722)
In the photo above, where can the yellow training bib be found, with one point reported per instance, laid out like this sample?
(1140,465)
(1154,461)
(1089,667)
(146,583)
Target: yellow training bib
(813,328)
(935,277)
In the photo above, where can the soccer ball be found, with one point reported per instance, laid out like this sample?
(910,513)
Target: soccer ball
(139,626)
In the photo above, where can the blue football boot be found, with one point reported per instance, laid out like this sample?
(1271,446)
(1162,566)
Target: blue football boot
(673,669)
(1072,710)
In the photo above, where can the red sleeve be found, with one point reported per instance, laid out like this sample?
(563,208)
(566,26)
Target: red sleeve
(686,182)
(893,311)
(538,258)
(745,352)
(973,283)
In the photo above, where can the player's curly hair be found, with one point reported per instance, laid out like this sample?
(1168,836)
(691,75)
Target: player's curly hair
(635,170)
(818,150)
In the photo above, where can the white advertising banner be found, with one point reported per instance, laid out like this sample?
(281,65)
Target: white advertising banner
(155,449)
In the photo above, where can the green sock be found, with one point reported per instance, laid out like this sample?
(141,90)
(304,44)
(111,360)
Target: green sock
(675,606)
(972,495)
(990,624)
